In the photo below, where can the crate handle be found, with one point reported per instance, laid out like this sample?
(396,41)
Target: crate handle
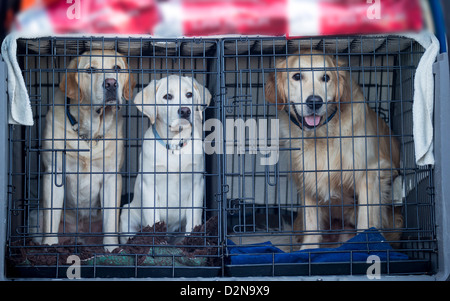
(63,180)
(275,175)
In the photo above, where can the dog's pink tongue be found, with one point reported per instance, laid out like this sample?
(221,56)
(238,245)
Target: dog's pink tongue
(312,120)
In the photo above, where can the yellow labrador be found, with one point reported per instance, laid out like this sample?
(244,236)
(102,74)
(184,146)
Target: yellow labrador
(170,183)
(83,148)
(345,154)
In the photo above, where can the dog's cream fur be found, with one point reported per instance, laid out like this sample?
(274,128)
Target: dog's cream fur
(170,185)
(91,176)
(351,159)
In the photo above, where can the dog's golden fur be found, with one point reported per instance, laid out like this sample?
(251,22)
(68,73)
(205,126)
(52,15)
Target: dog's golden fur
(343,167)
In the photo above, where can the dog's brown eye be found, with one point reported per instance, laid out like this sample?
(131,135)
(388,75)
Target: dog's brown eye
(326,78)
(168,97)
(117,67)
(297,76)
(189,94)
(91,69)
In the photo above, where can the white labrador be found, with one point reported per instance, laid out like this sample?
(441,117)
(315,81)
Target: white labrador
(170,184)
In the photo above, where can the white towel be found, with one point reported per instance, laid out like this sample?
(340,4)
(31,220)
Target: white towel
(424,99)
(19,103)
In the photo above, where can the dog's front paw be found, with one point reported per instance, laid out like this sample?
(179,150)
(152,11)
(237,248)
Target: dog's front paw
(110,243)
(307,246)
(193,229)
(50,240)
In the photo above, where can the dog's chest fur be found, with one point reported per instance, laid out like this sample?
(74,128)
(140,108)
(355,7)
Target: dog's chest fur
(175,171)
(86,162)
(99,162)
(173,177)
(324,167)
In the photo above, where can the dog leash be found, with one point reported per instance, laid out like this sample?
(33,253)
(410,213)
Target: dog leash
(294,121)
(167,145)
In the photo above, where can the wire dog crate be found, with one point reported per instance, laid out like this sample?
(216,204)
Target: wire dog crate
(251,193)
(264,203)
(157,250)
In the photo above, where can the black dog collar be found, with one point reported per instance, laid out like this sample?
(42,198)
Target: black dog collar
(69,115)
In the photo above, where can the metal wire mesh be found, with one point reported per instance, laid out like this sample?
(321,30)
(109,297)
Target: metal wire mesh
(116,165)
(244,200)
(266,203)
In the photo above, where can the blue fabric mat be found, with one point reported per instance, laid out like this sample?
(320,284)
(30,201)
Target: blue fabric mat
(358,248)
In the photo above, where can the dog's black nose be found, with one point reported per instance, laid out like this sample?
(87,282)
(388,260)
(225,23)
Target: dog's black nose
(184,112)
(314,102)
(110,83)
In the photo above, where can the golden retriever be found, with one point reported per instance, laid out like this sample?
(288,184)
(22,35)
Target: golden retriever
(345,156)
(83,148)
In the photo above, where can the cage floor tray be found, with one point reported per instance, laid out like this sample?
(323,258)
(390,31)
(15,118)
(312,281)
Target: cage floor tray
(323,269)
(60,272)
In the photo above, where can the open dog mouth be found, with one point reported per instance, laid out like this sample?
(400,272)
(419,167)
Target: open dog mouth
(311,121)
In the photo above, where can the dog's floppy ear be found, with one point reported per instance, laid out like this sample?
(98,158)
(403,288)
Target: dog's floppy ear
(202,96)
(145,100)
(129,85)
(71,82)
(343,89)
(275,87)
